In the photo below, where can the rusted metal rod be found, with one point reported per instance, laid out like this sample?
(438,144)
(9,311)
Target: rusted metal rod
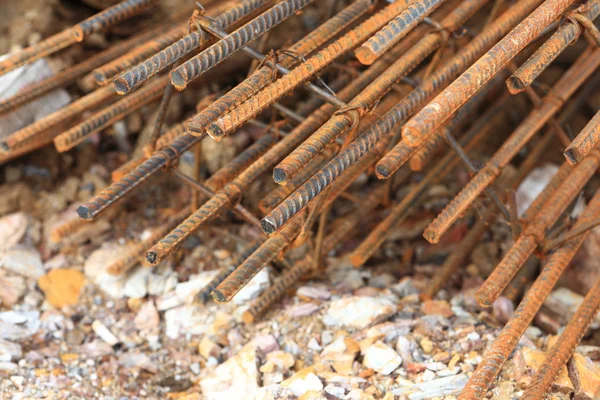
(420,126)
(564,88)
(204,294)
(264,75)
(559,354)
(535,231)
(135,251)
(503,346)
(393,118)
(196,39)
(108,116)
(363,103)
(585,141)
(220,51)
(395,30)
(566,34)
(111,16)
(306,70)
(24,137)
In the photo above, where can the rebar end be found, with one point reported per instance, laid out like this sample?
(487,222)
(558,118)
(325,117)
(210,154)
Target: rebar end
(99,78)
(218,296)
(573,155)
(431,236)
(177,80)
(121,85)
(268,226)
(84,212)
(383,172)
(365,55)
(280,176)
(515,85)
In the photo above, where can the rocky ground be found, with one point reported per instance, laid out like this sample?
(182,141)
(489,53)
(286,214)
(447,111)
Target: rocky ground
(70,329)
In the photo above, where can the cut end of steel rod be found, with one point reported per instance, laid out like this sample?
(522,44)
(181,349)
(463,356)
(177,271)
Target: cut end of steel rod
(85,212)
(383,172)
(268,226)
(178,80)
(122,87)
(153,258)
(515,85)
(573,155)
(280,176)
(365,55)
(218,296)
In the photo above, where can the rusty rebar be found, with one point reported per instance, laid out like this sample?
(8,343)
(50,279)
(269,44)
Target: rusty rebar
(66,228)
(306,70)
(559,354)
(196,39)
(400,211)
(225,48)
(104,73)
(255,262)
(70,74)
(39,50)
(564,88)
(395,30)
(473,237)
(585,141)
(287,279)
(564,36)
(111,16)
(24,137)
(365,142)
(264,75)
(204,294)
(421,125)
(363,103)
(106,117)
(534,233)
(503,346)
(135,250)
(488,122)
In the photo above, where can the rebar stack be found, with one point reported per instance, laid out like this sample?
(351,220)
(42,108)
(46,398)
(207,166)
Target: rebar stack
(430,68)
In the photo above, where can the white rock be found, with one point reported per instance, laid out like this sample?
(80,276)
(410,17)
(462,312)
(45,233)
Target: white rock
(253,289)
(8,368)
(12,230)
(12,288)
(161,283)
(136,286)
(359,312)
(15,80)
(301,383)
(138,360)
(21,260)
(335,391)
(10,351)
(12,332)
(104,333)
(147,317)
(236,378)
(17,381)
(382,358)
(95,268)
(96,349)
(187,290)
(563,303)
(312,292)
(448,386)
(533,185)
(188,319)
(266,343)
(302,310)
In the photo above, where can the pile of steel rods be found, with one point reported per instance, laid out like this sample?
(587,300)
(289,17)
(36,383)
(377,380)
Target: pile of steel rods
(430,91)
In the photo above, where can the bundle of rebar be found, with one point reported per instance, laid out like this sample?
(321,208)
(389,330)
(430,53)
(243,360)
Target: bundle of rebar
(416,90)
